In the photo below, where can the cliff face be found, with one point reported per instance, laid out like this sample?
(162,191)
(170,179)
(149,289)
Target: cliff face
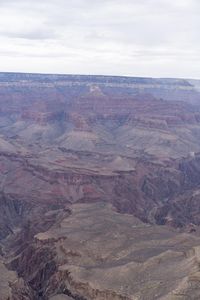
(92,252)
(84,143)
(139,189)
(102,114)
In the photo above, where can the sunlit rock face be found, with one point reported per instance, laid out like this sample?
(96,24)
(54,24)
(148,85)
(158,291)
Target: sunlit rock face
(78,149)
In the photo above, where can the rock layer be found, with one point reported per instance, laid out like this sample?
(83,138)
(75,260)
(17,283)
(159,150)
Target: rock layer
(99,187)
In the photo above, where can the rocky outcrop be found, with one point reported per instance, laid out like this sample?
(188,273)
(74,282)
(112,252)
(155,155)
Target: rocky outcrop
(136,260)
(69,142)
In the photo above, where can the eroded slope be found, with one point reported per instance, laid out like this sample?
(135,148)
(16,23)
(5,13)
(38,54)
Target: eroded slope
(97,253)
(72,146)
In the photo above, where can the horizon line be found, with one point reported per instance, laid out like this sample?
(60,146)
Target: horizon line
(97,75)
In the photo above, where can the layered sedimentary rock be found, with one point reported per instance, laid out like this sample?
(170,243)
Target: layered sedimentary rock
(93,252)
(99,175)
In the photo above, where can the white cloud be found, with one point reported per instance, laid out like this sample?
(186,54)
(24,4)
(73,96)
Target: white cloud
(120,37)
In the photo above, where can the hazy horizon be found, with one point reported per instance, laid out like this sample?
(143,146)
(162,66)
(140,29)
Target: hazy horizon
(103,75)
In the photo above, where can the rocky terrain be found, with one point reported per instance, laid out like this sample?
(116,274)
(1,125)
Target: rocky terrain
(99,187)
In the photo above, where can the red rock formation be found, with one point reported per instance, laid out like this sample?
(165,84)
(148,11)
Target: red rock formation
(75,139)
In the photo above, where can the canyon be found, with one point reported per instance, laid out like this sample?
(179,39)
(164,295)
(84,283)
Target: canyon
(99,187)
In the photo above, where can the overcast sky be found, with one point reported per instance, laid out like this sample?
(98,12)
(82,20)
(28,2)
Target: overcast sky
(158,38)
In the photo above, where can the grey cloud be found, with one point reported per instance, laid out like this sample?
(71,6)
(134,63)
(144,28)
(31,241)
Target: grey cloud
(120,33)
